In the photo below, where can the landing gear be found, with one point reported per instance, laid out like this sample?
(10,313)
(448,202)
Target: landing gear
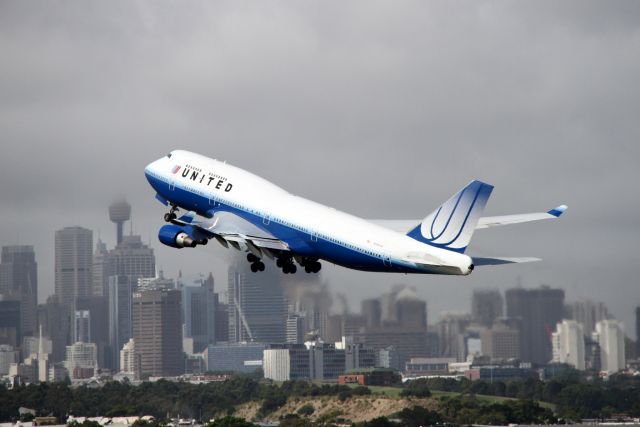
(289,268)
(171,215)
(286,264)
(312,267)
(256,264)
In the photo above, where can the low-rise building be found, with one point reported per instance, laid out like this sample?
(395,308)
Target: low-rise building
(370,376)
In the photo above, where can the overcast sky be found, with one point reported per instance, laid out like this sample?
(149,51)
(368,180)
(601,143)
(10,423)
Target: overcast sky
(382,109)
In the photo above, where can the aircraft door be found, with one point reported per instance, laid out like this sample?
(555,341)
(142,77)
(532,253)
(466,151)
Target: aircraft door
(172,185)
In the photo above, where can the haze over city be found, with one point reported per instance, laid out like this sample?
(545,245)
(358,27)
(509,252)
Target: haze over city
(381,111)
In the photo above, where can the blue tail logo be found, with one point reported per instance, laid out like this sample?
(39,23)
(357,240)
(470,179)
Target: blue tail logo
(452,224)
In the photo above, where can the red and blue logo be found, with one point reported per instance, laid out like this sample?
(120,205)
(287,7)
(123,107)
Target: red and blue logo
(176,168)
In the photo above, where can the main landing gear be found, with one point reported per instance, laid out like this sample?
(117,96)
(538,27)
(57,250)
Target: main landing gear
(171,215)
(256,264)
(287,265)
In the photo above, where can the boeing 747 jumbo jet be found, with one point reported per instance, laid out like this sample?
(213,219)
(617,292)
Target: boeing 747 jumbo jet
(250,214)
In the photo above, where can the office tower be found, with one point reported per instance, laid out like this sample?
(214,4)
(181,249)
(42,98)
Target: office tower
(411,312)
(19,279)
(98,309)
(610,337)
(234,357)
(638,331)
(352,324)
(451,336)
(403,325)
(82,329)
(100,270)
(588,313)
(199,311)
(538,310)
(119,212)
(157,331)
(284,362)
(73,262)
(295,328)
(501,342)
(568,344)
(222,321)
(10,321)
(119,317)
(128,359)
(81,360)
(359,356)
(159,282)
(257,306)
(372,312)
(486,306)
(36,345)
(334,328)
(8,355)
(311,300)
(55,320)
(326,362)
(133,259)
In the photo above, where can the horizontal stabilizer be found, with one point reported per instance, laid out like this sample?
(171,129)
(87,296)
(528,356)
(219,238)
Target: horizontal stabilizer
(496,221)
(501,260)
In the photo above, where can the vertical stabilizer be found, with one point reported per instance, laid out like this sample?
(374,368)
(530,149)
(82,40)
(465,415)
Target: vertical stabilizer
(452,224)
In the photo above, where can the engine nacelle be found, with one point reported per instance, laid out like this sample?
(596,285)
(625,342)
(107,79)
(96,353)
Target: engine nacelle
(176,237)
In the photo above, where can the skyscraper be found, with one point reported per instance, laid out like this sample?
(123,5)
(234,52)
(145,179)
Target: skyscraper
(19,280)
(100,270)
(157,332)
(119,317)
(10,331)
(588,313)
(501,342)
(638,331)
(568,344)
(133,259)
(55,319)
(539,310)
(82,326)
(372,312)
(199,313)
(610,336)
(486,306)
(257,306)
(73,262)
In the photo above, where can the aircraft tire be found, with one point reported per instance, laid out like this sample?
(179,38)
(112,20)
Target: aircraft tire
(254,267)
(260,266)
(252,258)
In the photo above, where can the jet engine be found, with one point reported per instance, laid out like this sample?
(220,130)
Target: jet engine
(178,237)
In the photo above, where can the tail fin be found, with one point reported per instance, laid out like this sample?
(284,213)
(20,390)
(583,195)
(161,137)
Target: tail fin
(452,224)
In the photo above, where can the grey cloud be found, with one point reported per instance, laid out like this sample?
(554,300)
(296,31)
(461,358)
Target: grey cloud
(377,108)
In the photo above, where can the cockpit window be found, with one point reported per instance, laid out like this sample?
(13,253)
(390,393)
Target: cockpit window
(169,155)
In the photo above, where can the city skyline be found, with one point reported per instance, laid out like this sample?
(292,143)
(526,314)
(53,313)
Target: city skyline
(352,117)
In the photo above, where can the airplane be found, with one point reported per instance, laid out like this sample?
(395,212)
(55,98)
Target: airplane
(250,214)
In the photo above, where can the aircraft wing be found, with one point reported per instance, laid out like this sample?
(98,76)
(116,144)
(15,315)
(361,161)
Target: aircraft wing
(231,230)
(404,225)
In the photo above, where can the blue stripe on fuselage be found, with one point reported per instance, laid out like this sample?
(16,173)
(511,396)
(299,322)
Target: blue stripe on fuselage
(299,241)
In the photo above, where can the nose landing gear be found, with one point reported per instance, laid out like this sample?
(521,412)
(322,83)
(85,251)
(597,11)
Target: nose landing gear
(171,215)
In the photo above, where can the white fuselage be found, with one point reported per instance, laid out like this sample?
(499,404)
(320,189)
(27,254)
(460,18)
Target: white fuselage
(204,185)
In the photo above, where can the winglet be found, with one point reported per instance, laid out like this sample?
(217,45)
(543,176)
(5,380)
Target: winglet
(558,211)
